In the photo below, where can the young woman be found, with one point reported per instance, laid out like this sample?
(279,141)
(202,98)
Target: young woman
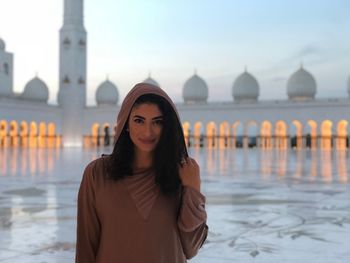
(142,203)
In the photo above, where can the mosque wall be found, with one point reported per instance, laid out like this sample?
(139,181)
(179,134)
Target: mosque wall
(18,110)
(29,124)
(268,124)
(220,123)
(271,111)
(101,116)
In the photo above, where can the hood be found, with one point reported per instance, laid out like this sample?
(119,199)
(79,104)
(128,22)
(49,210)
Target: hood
(137,91)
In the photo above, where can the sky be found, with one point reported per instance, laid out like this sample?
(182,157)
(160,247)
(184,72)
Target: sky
(130,39)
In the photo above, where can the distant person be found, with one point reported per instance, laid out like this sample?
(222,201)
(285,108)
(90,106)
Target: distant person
(98,137)
(201,140)
(106,137)
(308,140)
(142,203)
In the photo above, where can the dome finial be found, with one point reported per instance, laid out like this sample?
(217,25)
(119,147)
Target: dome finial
(36,74)
(245,68)
(107,77)
(151,81)
(301,65)
(195,71)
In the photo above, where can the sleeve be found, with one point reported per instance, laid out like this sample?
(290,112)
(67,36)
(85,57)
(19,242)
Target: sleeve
(192,221)
(88,224)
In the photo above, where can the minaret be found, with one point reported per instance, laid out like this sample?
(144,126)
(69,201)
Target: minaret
(72,75)
(6,71)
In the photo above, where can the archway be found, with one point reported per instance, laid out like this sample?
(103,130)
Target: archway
(106,135)
(342,135)
(95,134)
(51,135)
(280,135)
(186,127)
(42,136)
(238,134)
(33,133)
(3,133)
(311,134)
(252,134)
(296,134)
(13,134)
(198,134)
(265,133)
(224,136)
(23,134)
(211,132)
(326,134)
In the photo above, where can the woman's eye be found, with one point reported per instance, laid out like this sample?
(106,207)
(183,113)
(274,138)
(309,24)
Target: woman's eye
(138,121)
(158,122)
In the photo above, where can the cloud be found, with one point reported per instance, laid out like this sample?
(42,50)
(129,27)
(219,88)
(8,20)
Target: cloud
(309,54)
(313,55)
(309,50)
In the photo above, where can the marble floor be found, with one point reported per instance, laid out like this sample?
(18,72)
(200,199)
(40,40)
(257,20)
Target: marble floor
(263,205)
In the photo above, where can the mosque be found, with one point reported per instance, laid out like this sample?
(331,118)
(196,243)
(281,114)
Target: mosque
(300,121)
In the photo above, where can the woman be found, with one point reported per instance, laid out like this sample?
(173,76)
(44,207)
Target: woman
(142,203)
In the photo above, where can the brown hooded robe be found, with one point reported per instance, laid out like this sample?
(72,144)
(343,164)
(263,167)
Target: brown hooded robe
(130,220)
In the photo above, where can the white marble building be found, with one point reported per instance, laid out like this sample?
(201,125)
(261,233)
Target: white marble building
(27,120)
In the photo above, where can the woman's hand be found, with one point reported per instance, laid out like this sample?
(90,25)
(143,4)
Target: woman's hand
(189,173)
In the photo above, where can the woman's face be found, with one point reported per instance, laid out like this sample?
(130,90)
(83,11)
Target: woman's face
(145,126)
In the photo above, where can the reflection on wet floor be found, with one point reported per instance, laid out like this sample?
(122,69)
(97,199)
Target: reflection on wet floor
(27,161)
(329,165)
(264,205)
(325,165)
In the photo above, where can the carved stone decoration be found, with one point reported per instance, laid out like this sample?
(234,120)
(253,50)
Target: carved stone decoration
(66,42)
(66,80)
(82,43)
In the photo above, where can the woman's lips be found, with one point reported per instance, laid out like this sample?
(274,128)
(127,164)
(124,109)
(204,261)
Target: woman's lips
(147,141)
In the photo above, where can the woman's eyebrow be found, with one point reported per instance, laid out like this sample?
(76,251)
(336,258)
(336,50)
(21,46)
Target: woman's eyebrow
(138,116)
(155,118)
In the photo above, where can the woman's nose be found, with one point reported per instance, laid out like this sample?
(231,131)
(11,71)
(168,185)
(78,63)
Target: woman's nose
(148,130)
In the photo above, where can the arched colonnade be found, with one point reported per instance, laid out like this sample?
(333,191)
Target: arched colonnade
(326,134)
(28,134)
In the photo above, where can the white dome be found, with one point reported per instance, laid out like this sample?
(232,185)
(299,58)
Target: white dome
(107,93)
(245,87)
(2,44)
(195,90)
(36,90)
(301,85)
(151,81)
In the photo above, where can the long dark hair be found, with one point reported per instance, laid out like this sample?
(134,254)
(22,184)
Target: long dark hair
(168,153)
